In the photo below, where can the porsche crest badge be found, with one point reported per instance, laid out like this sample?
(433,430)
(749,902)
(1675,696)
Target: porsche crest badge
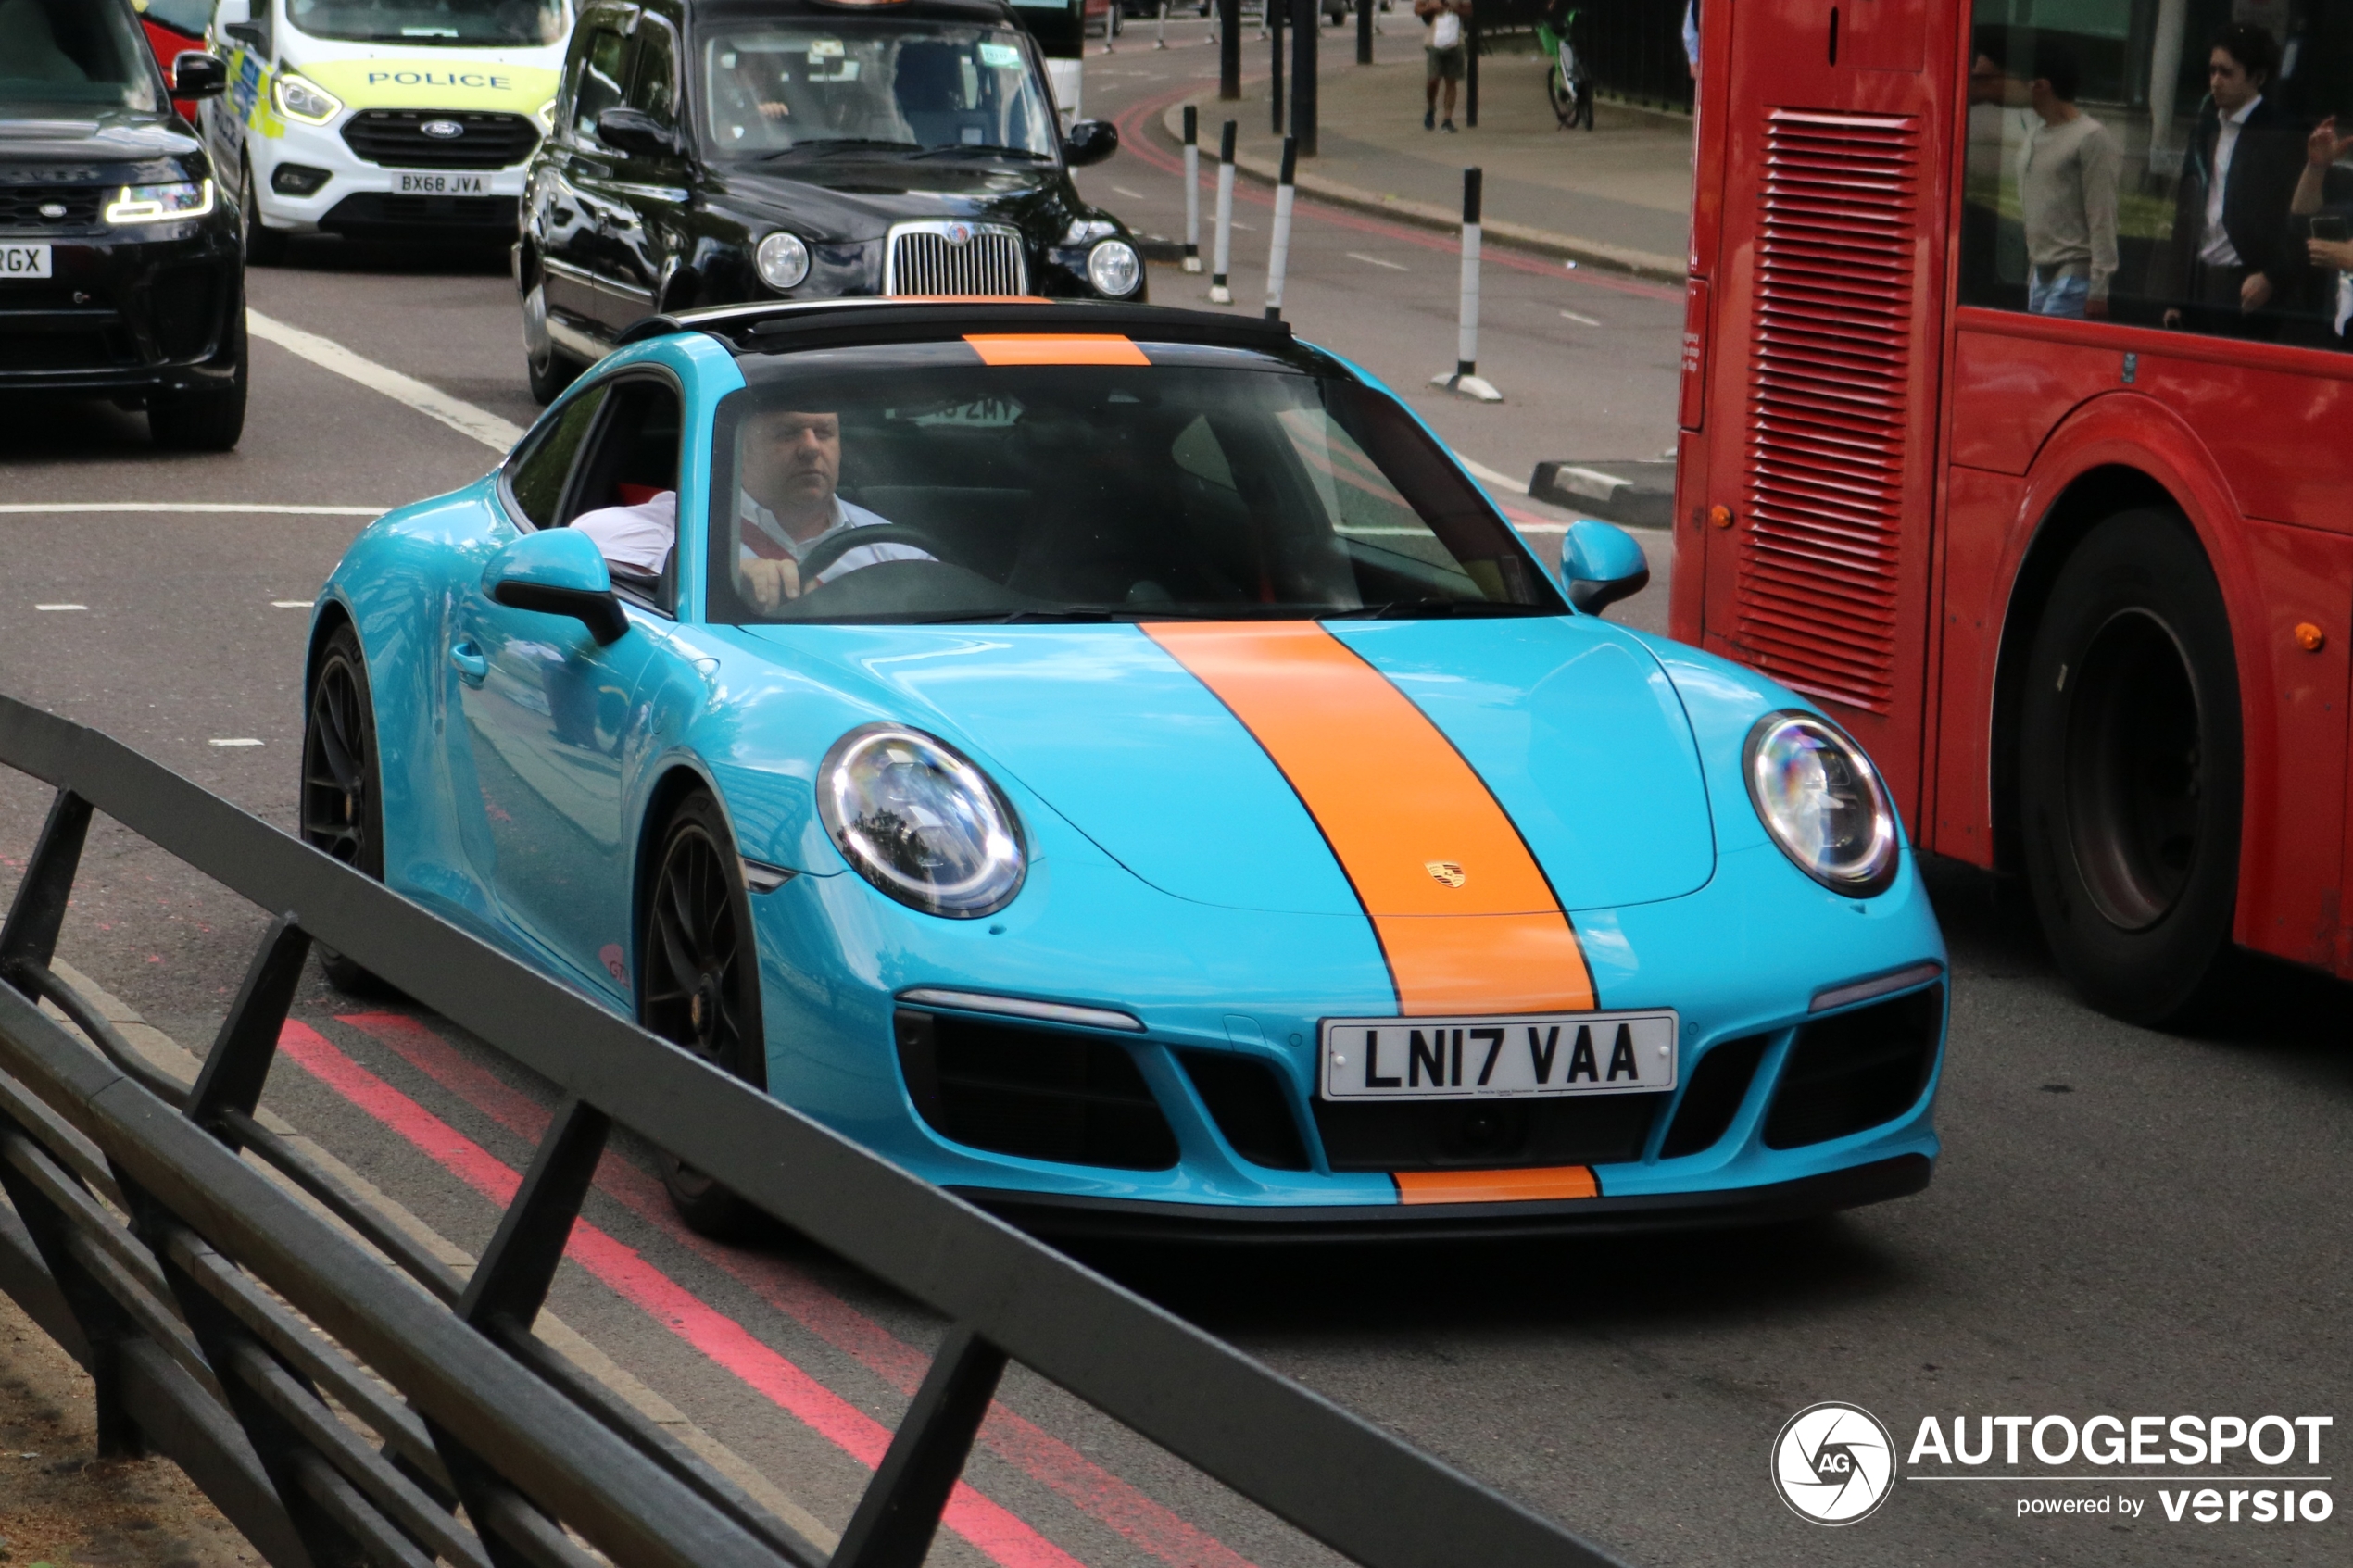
(1448,871)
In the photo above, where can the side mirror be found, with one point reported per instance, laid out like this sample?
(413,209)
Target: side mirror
(196,74)
(235,20)
(1601,564)
(555,571)
(631,131)
(1090,140)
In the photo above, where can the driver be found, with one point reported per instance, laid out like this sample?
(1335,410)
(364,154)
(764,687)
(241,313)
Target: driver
(785,504)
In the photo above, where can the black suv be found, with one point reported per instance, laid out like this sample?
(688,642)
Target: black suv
(121,275)
(720,152)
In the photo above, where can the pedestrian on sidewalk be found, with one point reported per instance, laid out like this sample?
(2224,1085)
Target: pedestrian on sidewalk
(1445,49)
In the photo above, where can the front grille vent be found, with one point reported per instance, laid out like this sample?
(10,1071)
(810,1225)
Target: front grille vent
(398,139)
(931,258)
(1041,1094)
(1829,406)
(1856,1070)
(20,208)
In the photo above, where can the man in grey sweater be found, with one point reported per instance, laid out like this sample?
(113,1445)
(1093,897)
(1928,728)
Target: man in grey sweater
(2066,184)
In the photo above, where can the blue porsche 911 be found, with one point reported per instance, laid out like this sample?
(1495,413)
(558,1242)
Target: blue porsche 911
(1113,762)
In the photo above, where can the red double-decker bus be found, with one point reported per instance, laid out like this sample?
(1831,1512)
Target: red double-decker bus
(2017,431)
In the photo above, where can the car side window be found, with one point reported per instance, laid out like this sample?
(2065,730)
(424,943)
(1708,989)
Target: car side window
(631,467)
(599,73)
(654,89)
(535,474)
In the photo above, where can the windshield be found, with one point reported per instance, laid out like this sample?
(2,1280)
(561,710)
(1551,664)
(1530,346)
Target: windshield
(775,89)
(73,54)
(1156,482)
(509,23)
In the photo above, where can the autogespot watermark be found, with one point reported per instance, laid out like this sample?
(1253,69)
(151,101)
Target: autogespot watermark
(1835,1463)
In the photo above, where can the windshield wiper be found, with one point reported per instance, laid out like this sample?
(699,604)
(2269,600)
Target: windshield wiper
(988,149)
(832,145)
(1432,609)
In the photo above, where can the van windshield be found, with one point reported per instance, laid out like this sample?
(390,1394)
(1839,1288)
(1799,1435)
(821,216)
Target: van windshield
(839,83)
(1017,479)
(70,54)
(508,23)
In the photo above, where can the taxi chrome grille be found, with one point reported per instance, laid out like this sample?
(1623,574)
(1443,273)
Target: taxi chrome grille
(939,258)
(398,138)
(20,208)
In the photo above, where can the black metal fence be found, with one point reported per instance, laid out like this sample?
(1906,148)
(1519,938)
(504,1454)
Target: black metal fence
(243,1333)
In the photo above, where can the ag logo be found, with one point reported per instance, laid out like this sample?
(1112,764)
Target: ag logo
(1833,1464)
(442,130)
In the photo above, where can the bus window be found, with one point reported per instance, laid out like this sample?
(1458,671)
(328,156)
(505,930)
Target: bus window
(2172,163)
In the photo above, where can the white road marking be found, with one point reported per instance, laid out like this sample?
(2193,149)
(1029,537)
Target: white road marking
(1240,224)
(1580,321)
(289,604)
(1132,196)
(62,607)
(234,740)
(225,508)
(1488,476)
(457,414)
(1377,261)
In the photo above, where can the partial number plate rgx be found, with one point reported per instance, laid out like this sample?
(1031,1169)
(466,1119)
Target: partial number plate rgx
(436,184)
(1578,1053)
(24,261)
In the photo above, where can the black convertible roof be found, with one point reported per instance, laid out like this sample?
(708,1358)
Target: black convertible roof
(783,328)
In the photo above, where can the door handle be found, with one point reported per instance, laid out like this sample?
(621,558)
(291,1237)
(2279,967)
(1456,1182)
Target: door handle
(469,662)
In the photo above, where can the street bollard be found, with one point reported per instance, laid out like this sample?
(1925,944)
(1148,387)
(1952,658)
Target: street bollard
(1274,14)
(1307,27)
(1192,183)
(1223,246)
(1278,253)
(1466,378)
(1364,31)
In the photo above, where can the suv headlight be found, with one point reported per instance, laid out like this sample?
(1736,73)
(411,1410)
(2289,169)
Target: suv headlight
(1823,802)
(1114,269)
(298,99)
(922,824)
(160,204)
(783,260)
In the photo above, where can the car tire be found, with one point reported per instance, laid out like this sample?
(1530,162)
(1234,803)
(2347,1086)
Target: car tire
(2130,770)
(264,247)
(342,797)
(210,420)
(548,371)
(698,984)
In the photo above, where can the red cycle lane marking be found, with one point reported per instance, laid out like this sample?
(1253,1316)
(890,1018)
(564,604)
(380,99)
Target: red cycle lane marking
(1136,1516)
(1000,1534)
(1135,137)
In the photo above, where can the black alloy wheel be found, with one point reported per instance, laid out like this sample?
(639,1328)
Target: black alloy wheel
(2130,770)
(342,805)
(698,984)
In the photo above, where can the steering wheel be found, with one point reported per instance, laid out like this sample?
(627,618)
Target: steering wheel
(829,551)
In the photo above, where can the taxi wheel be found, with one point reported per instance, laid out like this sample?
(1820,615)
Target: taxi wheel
(264,247)
(342,808)
(2130,772)
(699,986)
(548,371)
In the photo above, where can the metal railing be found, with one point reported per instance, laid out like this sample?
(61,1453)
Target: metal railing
(242,1331)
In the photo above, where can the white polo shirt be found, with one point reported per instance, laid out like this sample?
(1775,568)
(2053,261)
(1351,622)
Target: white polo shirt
(639,538)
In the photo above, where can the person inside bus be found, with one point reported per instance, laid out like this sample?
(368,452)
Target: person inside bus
(2324,199)
(2228,257)
(2067,184)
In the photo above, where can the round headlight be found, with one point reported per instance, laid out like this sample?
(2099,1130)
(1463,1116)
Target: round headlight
(1114,269)
(783,260)
(921,822)
(1823,802)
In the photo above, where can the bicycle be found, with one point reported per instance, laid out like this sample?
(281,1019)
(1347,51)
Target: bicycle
(1566,83)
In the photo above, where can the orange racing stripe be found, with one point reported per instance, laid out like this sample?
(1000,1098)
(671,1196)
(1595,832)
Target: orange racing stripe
(1397,804)
(1055,348)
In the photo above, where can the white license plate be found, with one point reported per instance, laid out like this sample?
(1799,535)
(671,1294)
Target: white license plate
(437,184)
(24,261)
(1579,1053)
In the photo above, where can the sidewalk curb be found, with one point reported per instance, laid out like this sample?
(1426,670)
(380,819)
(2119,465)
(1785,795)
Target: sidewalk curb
(1520,236)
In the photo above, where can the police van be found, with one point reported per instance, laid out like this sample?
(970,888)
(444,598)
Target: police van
(409,119)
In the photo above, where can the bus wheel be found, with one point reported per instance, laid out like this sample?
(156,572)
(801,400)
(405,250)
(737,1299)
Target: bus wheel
(2128,769)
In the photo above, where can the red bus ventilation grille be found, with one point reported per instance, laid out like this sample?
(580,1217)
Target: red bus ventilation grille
(1828,402)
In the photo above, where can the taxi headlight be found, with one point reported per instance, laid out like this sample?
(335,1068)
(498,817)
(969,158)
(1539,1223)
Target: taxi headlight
(921,822)
(1114,269)
(160,204)
(1823,802)
(298,99)
(783,260)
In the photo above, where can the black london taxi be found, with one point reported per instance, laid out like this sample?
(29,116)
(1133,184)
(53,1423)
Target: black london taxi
(121,275)
(720,152)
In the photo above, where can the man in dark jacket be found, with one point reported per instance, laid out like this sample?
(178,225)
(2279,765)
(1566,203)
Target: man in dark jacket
(2228,257)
